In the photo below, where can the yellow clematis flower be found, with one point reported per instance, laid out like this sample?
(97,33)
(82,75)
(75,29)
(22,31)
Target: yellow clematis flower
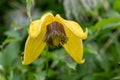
(54,31)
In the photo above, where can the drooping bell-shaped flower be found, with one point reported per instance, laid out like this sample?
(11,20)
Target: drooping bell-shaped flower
(54,31)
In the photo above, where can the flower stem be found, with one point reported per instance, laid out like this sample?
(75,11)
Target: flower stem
(47,59)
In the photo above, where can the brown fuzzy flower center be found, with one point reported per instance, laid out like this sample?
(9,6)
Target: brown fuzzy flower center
(55,34)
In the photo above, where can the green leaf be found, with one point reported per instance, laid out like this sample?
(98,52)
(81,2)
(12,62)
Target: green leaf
(116,78)
(2,77)
(13,34)
(71,64)
(116,5)
(112,14)
(8,40)
(92,49)
(105,25)
(10,54)
(41,75)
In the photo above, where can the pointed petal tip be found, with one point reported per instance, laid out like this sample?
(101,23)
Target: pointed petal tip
(25,62)
(84,35)
(86,32)
(57,15)
(81,62)
(46,14)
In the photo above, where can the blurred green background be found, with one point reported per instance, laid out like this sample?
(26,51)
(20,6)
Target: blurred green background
(101,48)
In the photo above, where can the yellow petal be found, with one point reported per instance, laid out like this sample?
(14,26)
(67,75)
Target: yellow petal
(46,20)
(73,27)
(74,47)
(37,25)
(34,44)
(33,48)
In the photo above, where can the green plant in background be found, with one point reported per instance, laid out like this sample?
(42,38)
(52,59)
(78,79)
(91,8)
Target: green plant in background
(101,48)
(28,7)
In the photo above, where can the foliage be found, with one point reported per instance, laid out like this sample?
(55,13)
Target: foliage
(101,48)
